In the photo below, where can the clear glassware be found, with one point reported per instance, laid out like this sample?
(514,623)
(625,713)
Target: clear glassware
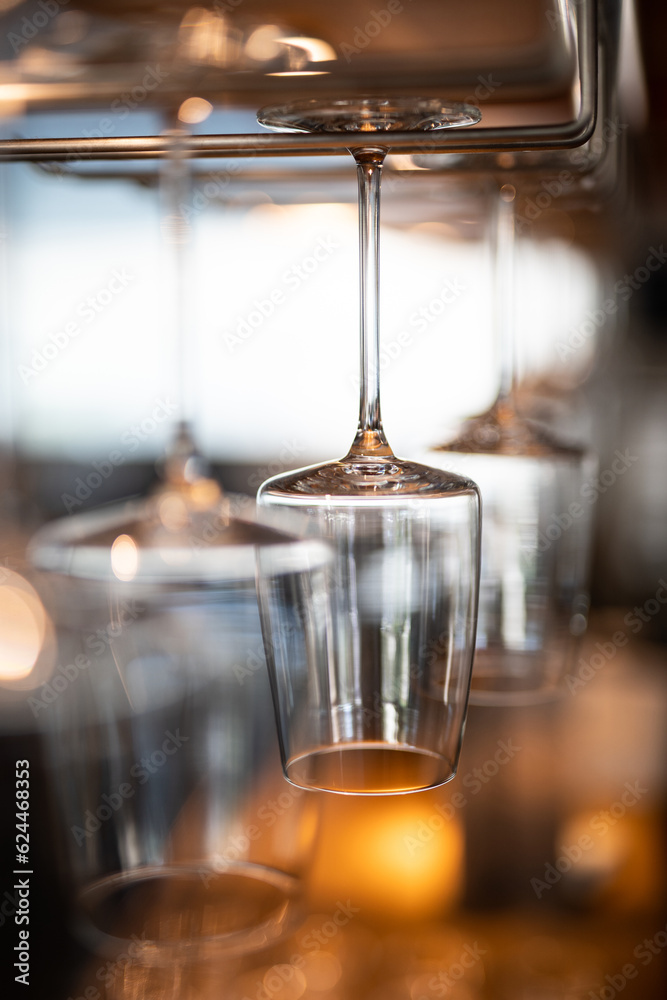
(536,534)
(162,734)
(179,829)
(380,705)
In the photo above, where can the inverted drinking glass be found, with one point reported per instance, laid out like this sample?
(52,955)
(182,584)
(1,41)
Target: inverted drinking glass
(533,599)
(380,705)
(162,739)
(161,735)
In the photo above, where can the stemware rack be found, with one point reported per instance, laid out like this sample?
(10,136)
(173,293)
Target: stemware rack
(479,139)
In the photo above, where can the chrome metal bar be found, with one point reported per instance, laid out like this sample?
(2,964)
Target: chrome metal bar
(248,146)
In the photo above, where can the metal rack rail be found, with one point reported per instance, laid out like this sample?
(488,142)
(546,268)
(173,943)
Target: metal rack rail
(470,140)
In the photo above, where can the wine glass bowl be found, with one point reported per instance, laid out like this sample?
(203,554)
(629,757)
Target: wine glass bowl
(379,705)
(533,601)
(163,747)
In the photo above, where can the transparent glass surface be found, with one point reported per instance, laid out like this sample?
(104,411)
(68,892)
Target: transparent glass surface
(533,597)
(536,526)
(161,727)
(368,114)
(177,824)
(379,705)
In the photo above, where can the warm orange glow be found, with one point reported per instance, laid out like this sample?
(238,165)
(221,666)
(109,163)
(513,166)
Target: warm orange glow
(204,493)
(194,110)
(173,511)
(264,43)
(322,970)
(617,855)
(301,72)
(316,49)
(277,987)
(395,857)
(206,36)
(124,558)
(403,161)
(22,627)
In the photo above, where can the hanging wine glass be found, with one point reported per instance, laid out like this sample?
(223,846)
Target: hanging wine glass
(184,472)
(163,744)
(380,706)
(533,599)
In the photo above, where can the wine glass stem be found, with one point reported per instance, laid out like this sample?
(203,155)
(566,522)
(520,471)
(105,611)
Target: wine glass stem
(370,438)
(504,262)
(175,183)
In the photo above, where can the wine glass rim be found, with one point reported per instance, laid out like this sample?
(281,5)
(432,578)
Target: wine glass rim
(80,547)
(342,114)
(242,941)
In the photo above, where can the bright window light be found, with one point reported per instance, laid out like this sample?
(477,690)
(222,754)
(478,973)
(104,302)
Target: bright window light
(272,325)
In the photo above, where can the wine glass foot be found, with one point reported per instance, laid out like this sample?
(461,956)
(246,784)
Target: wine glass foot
(368,114)
(193,912)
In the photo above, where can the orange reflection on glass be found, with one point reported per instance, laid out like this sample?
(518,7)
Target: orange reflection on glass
(316,49)
(284,982)
(206,36)
(396,858)
(194,110)
(124,558)
(23,623)
(614,856)
(322,971)
(301,72)
(264,43)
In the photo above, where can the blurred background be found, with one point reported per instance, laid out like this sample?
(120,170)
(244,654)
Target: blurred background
(539,872)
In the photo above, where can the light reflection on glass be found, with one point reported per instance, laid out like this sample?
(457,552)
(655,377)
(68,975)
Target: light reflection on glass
(316,49)
(23,624)
(194,110)
(124,558)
